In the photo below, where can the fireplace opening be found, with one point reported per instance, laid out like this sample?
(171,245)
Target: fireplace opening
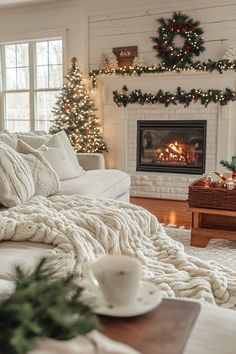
(171,146)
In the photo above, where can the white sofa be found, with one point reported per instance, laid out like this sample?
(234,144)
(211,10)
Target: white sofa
(95,181)
(98,182)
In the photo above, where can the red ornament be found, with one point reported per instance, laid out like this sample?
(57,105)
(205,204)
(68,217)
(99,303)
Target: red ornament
(66,106)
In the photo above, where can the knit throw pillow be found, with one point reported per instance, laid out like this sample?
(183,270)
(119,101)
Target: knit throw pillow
(46,180)
(16,181)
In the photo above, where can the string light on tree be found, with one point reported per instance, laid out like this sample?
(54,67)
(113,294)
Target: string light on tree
(74,113)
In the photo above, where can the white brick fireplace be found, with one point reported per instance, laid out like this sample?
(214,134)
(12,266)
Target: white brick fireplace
(120,128)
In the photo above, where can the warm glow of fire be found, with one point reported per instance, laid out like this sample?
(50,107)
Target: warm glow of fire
(174,152)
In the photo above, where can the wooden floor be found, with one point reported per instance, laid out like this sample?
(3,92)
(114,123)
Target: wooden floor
(167,211)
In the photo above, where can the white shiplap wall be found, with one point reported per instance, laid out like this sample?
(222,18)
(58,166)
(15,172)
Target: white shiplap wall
(125,26)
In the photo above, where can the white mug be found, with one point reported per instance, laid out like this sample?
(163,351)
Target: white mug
(117,277)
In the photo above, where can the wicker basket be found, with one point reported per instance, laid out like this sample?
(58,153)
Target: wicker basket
(211,198)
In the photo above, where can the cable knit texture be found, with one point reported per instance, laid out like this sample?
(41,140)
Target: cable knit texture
(46,180)
(82,228)
(16,181)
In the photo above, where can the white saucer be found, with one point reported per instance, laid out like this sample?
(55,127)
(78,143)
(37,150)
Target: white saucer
(148,298)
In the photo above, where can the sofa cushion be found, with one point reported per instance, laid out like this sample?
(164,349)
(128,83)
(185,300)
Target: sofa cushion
(98,184)
(68,149)
(59,140)
(9,139)
(46,181)
(16,180)
(35,141)
(55,153)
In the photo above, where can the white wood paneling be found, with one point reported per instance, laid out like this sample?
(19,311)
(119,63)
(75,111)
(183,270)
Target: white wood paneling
(125,27)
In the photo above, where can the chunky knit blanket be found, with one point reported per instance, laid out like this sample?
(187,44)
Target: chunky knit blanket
(82,228)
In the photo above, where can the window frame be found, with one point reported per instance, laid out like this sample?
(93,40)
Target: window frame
(31,39)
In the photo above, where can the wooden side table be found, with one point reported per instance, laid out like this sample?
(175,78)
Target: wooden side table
(212,223)
(165,330)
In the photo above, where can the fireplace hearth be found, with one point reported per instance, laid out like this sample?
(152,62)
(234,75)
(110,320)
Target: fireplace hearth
(171,146)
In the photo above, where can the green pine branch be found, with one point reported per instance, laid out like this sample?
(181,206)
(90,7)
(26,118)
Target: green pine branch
(42,306)
(229,165)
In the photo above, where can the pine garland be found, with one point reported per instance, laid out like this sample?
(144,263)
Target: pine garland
(181,96)
(42,307)
(219,66)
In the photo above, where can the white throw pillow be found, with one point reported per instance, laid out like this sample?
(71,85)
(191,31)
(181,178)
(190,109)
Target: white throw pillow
(16,181)
(9,139)
(33,140)
(70,152)
(36,141)
(46,180)
(57,155)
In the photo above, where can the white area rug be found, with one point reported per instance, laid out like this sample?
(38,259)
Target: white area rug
(220,251)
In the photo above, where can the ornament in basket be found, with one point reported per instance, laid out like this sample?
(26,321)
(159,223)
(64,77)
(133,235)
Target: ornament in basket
(213,191)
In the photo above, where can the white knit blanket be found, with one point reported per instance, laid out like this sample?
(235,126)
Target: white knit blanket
(82,228)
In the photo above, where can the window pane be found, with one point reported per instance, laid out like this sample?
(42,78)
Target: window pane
(22,78)
(45,101)
(55,76)
(22,55)
(42,53)
(42,77)
(55,52)
(17,108)
(11,79)
(43,125)
(10,56)
(18,126)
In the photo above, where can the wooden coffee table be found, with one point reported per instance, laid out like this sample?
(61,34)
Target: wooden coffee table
(212,223)
(165,330)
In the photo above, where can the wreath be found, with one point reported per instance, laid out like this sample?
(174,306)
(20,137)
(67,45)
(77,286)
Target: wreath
(189,30)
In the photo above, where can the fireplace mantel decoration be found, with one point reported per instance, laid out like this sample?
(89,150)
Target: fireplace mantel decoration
(219,66)
(181,96)
(178,25)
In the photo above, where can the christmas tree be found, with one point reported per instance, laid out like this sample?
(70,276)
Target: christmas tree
(74,113)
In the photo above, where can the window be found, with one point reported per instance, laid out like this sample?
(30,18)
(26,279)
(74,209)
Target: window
(32,73)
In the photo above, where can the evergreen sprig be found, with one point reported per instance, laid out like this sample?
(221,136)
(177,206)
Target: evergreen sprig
(229,165)
(42,308)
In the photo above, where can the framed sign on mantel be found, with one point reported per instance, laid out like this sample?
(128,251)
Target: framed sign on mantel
(125,55)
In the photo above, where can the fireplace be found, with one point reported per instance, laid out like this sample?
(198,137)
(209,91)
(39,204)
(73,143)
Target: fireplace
(171,146)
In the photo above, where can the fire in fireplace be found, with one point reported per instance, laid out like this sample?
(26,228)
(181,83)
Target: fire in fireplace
(171,146)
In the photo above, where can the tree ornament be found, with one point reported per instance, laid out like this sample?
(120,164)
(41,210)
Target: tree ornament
(230,53)
(191,33)
(74,111)
(66,106)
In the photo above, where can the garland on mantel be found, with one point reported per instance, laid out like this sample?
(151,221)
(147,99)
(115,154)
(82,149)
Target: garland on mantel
(181,96)
(210,66)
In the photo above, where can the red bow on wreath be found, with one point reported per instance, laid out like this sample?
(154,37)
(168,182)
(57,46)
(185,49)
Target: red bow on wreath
(176,27)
